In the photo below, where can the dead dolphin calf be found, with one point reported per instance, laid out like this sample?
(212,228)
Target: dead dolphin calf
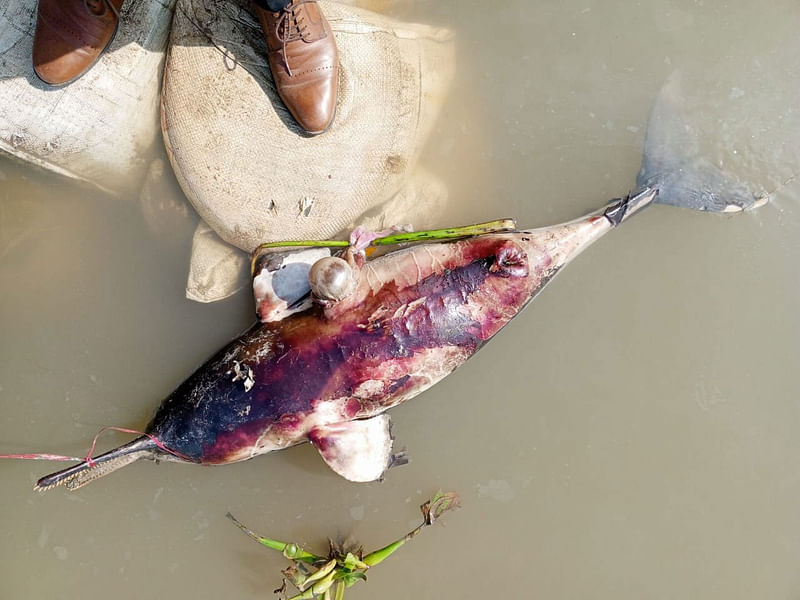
(379,333)
(325,367)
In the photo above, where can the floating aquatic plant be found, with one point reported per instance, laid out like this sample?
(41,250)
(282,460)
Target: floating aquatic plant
(327,577)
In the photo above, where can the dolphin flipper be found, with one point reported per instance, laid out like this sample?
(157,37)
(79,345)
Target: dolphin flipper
(357,450)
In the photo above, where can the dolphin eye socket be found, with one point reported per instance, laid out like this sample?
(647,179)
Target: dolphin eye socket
(331,278)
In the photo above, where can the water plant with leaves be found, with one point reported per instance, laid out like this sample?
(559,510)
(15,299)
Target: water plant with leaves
(327,577)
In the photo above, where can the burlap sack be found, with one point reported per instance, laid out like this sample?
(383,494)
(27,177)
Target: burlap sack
(252,175)
(219,270)
(98,128)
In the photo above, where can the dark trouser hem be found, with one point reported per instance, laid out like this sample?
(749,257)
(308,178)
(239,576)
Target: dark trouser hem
(272,5)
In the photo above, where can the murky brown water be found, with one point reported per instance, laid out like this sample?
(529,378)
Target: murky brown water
(633,434)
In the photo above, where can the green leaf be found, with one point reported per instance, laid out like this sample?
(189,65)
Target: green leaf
(351,562)
(321,573)
(324,584)
(349,579)
(339,592)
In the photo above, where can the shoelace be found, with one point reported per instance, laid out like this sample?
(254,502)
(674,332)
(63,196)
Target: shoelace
(93,7)
(291,21)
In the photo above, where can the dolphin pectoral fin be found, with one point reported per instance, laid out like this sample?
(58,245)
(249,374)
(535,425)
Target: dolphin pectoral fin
(359,451)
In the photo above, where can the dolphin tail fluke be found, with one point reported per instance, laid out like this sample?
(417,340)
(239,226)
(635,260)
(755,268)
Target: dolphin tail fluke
(675,165)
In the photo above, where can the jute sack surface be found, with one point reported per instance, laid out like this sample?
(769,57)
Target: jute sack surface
(219,270)
(252,175)
(98,128)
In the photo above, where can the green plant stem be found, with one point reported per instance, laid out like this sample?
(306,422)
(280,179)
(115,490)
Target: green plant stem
(374,558)
(296,553)
(450,233)
(446,234)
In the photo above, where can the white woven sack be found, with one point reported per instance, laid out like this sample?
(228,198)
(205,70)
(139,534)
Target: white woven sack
(252,175)
(98,128)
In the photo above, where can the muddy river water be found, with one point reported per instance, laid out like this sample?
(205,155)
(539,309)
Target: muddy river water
(632,434)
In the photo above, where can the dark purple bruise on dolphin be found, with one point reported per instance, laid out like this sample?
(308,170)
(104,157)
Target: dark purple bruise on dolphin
(207,406)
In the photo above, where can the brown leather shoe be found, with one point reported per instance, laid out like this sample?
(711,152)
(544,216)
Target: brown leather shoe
(71,35)
(304,62)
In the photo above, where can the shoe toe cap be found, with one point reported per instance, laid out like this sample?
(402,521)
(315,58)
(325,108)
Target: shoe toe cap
(312,103)
(58,69)
(67,42)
